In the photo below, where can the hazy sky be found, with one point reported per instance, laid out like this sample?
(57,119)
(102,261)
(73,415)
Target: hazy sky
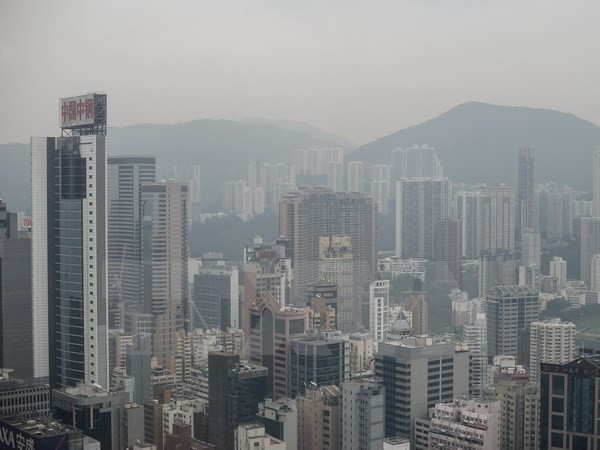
(360,69)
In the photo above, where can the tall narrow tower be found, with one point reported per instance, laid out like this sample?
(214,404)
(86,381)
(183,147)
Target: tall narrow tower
(526,214)
(70,341)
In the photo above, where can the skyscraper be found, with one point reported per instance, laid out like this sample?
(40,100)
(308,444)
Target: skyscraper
(558,270)
(526,214)
(379,307)
(416,162)
(551,341)
(487,220)
(165,259)
(590,246)
(596,183)
(195,196)
(356,176)
(475,336)
(380,191)
(309,213)
(15,297)
(510,311)
(420,203)
(125,175)
(362,411)
(447,252)
(319,418)
(417,373)
(70,317)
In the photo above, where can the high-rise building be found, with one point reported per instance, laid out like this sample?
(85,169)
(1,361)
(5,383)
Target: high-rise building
(420,203)
(526,214)
(125,175)
(322,301)
(487,219)
(70,317)
(551,341)
(336,266)
(447,252)
(510,312)
(25,398)
(216,298)
(138,364)
(379,309)
(519,415)
(361,353)
(235,390)
(415,303)
(319,418)
(380,191)
(310,213)
(16,331)
(195,196)
(496,268)
(280,419)
(419,372)
(362,411)
(558,270)
(165,259)
(475,336)
(555,212)
(596,183)
(356,176)
(590,246)
(271,330)
(531,249)
(569,404)
(95,411)
(416,162)
(318,359)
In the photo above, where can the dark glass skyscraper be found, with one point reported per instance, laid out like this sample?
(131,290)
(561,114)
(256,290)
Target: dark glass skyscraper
(526,211)
(69,314)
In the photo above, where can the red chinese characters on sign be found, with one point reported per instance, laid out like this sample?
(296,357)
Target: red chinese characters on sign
(89,108)
(64,111)
(72,110)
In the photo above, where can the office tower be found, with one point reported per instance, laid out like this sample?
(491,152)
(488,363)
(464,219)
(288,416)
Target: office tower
(308,214)
(569,404)
(526,215)
(356,176)
(475,423)
(590,246)
(139,355)
(416,162)
(319,418)
(125,175)
(361,353)
(379,308)
(362,410)
(272,328)
(558,270)
(322,300)
(69,247)
(23,397)
(336,266)
(510,311)
(551,341)
(93,410)
(195,196)
(235,389)
(531,249)
(252,435)
(447,252)
(496,268)
(380,191)
(44,432)
(475,337)
(16,331)
(420,203)
(318,359)
(519,415)
(417,373)
(280,419)
(596,183)
(165,259)
(487,219)
(216,298)
(415,303)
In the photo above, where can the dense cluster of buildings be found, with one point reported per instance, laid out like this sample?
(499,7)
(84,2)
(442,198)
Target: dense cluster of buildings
(112,336)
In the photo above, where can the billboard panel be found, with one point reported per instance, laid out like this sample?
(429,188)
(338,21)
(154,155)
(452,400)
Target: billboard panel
(77,111)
